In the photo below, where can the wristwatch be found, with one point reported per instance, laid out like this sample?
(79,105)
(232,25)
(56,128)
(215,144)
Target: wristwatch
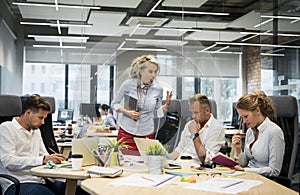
(194,136)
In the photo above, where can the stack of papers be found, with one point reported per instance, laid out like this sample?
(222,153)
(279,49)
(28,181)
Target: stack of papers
(225,185)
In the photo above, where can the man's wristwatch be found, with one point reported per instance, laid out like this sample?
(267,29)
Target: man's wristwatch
(194,136)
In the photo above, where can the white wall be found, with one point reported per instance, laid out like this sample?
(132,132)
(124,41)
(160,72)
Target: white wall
(11,61)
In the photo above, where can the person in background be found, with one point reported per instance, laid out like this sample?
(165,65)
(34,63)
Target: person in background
(22,148)
(107,118)
(142,101)
(202,135)
(264,142)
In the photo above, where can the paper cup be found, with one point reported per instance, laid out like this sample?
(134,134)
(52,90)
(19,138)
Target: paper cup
(77,161)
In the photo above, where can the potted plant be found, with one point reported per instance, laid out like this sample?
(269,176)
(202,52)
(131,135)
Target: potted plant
(156,158)
(113,149)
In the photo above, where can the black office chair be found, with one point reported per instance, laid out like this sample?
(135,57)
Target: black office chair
(168,129)
(287,118)
(10,106)
(47,128)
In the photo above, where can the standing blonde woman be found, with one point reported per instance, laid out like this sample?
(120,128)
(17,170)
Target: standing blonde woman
(142,99)
(264,142)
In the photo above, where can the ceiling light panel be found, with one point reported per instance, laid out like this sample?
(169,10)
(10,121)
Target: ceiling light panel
(64,39)
(181,24)
(50,13)
(73,2)
(207,35)
(169,32)
(185,3)
(118,3)
(158,42)
(104,24)
(146,21)
(196,24)
(247,21)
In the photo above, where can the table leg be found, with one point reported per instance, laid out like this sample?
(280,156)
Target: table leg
(71,185)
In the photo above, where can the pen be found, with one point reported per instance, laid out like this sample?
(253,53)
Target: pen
(164,181)
(241,121)
(233,184)
(146,178)
(52,150)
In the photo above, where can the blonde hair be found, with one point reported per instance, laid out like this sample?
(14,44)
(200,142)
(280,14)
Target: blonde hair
(140,63)
(256,99)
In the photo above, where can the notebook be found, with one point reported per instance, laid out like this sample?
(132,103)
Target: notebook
(85,146)
(143,143)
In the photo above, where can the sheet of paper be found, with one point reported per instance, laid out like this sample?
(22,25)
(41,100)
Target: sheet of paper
(144,180)
(225,185)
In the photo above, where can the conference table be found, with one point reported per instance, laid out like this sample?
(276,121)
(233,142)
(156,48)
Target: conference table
(102,185)
(67,173)
(98,186)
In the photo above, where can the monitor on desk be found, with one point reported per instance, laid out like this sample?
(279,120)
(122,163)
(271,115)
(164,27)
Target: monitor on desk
(90,110)
(64,115)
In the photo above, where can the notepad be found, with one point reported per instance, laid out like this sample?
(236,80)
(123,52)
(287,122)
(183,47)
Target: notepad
(105,171)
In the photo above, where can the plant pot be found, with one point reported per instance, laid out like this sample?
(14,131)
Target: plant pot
(114,159)
(155,164)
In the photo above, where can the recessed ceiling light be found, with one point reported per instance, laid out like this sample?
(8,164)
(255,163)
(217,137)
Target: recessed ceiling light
(55,25)
(258,45)
(56,5)
(60,46)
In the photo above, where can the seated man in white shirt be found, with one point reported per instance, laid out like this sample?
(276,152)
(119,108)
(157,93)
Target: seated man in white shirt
(22,148)
(201,135)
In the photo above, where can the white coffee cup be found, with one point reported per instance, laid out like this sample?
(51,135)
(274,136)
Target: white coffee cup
(77,161)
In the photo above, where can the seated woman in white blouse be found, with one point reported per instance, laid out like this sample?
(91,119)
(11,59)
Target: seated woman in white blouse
(264,142)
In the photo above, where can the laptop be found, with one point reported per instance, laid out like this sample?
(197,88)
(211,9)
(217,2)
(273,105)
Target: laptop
(143,143)
(86,147)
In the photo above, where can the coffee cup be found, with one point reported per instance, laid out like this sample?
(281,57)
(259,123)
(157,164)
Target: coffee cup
(77,161)
(185,162)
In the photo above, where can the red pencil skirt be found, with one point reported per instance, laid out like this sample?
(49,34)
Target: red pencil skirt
(128,138)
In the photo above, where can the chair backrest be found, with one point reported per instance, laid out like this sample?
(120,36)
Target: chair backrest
(287,118)
(47,128)
(184,117)
(168,129)
(10,106)
(213,107)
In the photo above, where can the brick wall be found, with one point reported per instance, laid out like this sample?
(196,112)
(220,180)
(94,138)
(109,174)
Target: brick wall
(253,68)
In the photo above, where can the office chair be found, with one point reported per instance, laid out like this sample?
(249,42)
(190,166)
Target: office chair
(287,118)
(10,106)
(168,130)
(184,117)
(213,107)
(47,128)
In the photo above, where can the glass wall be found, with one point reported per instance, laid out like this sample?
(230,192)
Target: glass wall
(50,80)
